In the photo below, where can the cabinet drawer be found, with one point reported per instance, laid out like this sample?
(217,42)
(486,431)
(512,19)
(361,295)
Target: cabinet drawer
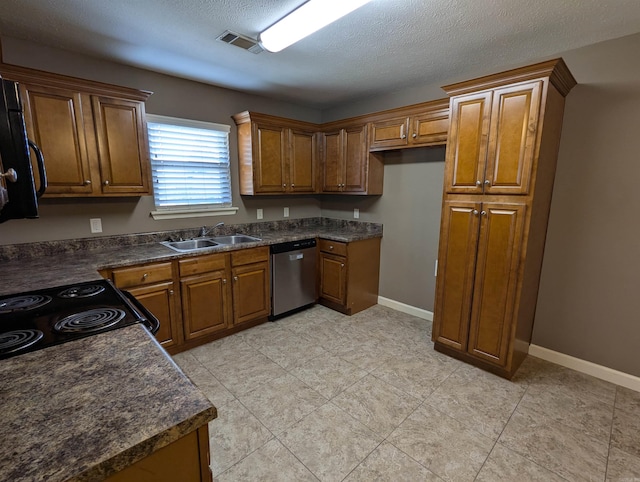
(334,247)
(202,264)
(248,256)
(142,275)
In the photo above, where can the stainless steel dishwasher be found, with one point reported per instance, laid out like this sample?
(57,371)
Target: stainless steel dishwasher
(293,276)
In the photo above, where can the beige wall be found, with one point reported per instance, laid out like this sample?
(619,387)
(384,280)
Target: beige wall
(69,218)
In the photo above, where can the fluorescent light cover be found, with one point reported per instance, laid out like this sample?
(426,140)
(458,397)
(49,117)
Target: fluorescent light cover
(305,20)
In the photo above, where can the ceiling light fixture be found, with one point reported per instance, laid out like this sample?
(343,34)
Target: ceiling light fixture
(306,19)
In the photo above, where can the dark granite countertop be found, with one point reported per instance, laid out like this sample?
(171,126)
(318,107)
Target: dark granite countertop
(49,267)
(86,409)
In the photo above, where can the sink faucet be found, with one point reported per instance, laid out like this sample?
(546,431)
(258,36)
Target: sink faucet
(204,230)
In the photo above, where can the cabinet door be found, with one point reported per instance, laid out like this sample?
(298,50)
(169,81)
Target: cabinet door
(514,128)
(456,263)
(430,129)
(302,161)
(355,159)
(389,133)
(204,304)
(269,154)
(122,145)
(250,292)
(467,143)
(496,278)
(55,121)
(332,162)
(159,300)
(333,278)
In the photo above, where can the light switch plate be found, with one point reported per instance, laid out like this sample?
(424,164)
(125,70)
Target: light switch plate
(286,212)
(259,213)
(356,213)
(96,225)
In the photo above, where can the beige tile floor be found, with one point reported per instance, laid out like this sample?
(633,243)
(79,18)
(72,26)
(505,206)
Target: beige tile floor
(322,396)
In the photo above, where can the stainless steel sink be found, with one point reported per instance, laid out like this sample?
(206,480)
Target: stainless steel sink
(235,239)
(190,244)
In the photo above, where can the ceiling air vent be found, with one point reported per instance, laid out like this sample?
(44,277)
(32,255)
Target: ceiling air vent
(240,41)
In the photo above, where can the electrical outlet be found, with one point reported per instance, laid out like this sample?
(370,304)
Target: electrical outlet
(96,225)
(259,214)
(356,213)
(286,212)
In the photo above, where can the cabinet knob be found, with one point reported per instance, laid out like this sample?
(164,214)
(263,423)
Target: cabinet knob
(487,182)
(224,281)
(106,183)
(293,185)
(342,265)
(284,185)
(475,212)
(414,135)
(483,213)
(170,292)
(403,136)
(87,182)
(478,183)
(331,247)
(235,278)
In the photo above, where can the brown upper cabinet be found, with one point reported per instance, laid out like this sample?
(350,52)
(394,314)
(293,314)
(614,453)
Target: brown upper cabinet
(284,156)
(276,155)
(422,125)
(346,165)
(92,135)
(492,140)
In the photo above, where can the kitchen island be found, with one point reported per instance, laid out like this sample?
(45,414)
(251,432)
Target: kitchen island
(85,410)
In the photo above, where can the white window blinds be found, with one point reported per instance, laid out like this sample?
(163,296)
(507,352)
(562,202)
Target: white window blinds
(189,163)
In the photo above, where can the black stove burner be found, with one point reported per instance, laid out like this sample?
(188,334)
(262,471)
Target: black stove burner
(13,341)
(81,291)
(89,321)
(23,303)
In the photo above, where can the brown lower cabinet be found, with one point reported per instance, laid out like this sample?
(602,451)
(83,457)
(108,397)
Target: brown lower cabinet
(186,460)
(349,274)
(218,295)
(198,299)
(153,285)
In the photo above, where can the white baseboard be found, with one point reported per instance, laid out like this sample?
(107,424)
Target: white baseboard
(404,308)
(604,373)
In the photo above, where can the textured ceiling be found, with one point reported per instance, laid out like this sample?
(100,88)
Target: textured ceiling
(384,46)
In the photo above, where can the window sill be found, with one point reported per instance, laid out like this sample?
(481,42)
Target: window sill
(192,213)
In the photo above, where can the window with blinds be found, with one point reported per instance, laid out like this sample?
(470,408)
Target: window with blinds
(189,164)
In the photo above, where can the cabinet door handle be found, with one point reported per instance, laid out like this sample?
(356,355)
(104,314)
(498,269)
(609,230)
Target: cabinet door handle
(170,292)
(483,213)
(284,185)
(487,182)
(478,183)
(235,278)
(414,135)
(145,276)
(342,265)
(475,212)
(293,185)
(87,182)
(224,281)
(331,247)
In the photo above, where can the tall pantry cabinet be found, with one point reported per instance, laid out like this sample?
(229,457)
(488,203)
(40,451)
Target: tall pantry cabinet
(500,164)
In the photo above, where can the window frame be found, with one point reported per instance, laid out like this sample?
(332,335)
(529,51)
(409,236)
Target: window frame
(194,211)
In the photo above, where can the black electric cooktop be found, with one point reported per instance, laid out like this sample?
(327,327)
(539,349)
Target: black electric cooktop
(38,319)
